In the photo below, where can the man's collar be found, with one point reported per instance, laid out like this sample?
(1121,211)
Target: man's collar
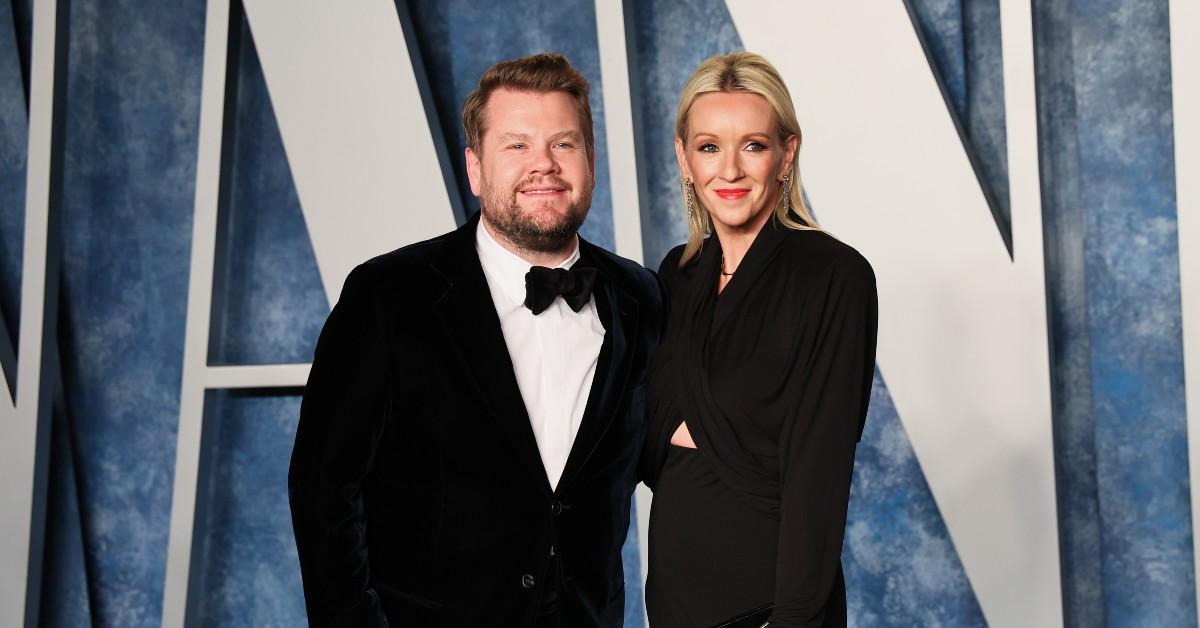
(507,267)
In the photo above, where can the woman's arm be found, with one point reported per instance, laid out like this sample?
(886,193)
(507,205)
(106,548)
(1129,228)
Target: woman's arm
(832,387)
(658,430)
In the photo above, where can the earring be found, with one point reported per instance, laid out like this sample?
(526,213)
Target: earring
(786,186)
(686,184)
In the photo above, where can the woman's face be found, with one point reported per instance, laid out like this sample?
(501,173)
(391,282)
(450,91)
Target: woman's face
(734,158)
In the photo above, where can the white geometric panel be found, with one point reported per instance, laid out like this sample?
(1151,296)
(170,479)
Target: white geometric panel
(357,139)
(367,173)
(25,420)
(1185,92)
(963,342)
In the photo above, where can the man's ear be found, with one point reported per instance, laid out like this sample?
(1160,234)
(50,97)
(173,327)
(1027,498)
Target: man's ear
(473,167)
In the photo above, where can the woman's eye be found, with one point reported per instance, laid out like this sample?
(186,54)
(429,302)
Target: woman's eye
(707,148)
(756,147)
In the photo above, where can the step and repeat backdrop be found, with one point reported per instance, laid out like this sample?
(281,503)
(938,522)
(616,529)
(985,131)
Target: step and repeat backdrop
(184,186)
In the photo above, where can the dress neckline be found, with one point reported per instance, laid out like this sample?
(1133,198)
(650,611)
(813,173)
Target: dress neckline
(754,264)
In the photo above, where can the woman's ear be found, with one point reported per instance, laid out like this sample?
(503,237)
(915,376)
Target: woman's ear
(789,156)
(684,171)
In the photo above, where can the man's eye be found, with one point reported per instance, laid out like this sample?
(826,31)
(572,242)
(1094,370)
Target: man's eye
(516,146)
(564,145)
(707,148)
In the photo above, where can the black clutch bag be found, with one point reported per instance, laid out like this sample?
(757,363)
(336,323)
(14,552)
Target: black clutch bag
(754,618)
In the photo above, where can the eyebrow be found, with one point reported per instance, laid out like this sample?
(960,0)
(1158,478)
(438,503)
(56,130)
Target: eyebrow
(569,134)
(522,137)
(705,134)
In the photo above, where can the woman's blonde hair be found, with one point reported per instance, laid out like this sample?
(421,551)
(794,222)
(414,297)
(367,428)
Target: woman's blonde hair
(742,72)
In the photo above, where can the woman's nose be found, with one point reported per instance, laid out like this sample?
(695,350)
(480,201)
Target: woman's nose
(731,168)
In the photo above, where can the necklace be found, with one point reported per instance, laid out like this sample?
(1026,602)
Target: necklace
(723,273)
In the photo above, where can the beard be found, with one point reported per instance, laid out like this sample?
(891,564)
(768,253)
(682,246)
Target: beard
(528,231)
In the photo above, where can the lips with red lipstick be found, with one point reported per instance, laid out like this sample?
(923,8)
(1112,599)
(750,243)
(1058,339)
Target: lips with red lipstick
(732,194)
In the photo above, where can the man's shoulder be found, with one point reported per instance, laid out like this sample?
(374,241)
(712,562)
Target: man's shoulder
(626,273)
(411,268)
(417,254)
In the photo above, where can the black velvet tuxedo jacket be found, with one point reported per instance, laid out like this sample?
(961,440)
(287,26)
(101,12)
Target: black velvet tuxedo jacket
(417,491)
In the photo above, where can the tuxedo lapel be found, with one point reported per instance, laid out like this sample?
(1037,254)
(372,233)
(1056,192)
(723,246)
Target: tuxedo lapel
(619,314)
(472,326)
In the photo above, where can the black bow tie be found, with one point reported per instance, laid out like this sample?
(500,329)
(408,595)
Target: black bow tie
(543,285)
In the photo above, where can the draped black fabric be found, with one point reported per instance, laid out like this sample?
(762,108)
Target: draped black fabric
(773,377)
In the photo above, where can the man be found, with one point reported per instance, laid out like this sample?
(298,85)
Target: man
(468,440)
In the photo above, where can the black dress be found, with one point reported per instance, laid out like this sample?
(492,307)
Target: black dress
(773,377)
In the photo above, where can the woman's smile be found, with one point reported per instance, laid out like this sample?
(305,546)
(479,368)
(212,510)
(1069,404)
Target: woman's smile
(732,194)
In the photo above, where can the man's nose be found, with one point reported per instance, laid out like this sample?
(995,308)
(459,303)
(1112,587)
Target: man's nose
(542,160)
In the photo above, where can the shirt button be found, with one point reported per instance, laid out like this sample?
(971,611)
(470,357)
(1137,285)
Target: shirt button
(527,581)
(556,508)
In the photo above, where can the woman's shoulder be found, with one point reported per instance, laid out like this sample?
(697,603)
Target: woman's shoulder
(670,276)
(824,254)
(670,262)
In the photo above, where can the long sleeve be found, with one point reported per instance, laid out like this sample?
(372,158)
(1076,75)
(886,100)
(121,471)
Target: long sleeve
(341,419)
(832,380)
(661,418)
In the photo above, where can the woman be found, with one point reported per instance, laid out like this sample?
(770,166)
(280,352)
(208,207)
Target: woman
(760,388)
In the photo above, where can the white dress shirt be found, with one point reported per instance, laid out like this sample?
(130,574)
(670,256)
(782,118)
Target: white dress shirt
(554,354)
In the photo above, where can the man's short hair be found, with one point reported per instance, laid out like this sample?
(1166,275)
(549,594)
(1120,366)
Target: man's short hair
(547,72)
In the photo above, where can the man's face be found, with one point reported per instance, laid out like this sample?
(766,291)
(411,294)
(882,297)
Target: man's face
(534,174)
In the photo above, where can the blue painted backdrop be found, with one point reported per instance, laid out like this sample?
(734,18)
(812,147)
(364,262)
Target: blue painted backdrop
(1104,110)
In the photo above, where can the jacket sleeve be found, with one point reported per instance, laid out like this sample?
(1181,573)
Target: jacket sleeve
(341,419)
(833,383)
